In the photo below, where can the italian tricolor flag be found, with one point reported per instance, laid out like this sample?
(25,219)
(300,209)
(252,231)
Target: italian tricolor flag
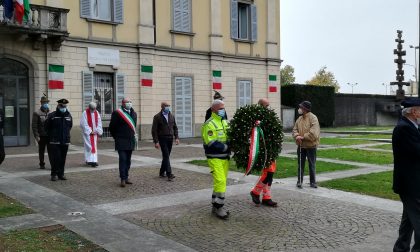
(55,77)
(146,75)
(272,83)
(22,10)
(217,79)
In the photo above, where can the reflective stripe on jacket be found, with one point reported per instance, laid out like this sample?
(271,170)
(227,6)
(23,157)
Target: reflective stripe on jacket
(214,137)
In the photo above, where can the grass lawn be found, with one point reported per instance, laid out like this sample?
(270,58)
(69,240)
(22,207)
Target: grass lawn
(358,128)
(340,141)
(287,167)
(362,156)
(370,136)
(374,184)
(10,207)
(382,147)
(53,238)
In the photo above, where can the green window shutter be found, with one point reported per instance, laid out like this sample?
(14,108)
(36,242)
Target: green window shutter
(254,23)
(85,8)
(234,19)
(118,11)
(87,82)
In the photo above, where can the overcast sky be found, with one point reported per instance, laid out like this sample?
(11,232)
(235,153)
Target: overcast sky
(355,39)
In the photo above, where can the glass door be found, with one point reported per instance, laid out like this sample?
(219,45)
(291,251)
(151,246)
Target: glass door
(14,102)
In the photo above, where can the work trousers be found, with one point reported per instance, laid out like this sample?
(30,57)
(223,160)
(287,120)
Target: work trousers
(410,221)
(124,163)
(42,144)
(165,143)
(57,154)
(219,168)
(264,182)
(304,153)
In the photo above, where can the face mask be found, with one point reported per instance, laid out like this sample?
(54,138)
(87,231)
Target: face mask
(63,110)
(300,111)
(221,113)
(128,105)
(166,110)
(45,106)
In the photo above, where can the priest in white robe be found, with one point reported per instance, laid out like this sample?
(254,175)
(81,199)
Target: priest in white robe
(91,125)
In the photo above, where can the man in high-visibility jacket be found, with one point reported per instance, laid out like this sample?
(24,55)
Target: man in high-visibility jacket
(217,152)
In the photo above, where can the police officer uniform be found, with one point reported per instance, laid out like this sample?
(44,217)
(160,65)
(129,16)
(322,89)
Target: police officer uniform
(217,152)
(58,126)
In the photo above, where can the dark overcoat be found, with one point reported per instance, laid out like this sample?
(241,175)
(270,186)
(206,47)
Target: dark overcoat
(121,132)
(406,149)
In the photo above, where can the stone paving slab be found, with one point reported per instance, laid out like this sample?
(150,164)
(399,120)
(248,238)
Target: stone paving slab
(300,223)
(102,186)
(25,222)
(180,151)
(31,163)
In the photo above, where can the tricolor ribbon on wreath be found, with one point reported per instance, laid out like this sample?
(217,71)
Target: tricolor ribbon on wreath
(257,134)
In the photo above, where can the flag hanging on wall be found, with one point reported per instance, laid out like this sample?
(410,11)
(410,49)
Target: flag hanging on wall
(217,79)
(146,75)
(19,11)
(55,77)
(272,83)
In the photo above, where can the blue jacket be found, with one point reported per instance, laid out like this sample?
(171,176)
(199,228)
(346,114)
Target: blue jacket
(406,149)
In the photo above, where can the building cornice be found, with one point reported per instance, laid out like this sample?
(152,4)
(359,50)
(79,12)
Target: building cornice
(173,50)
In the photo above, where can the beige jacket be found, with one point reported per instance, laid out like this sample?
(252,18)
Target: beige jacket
(307,126)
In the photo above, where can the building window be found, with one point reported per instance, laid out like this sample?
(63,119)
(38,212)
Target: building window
(244,20)
(244,93)
(181,13)
(102,10)
(107,90)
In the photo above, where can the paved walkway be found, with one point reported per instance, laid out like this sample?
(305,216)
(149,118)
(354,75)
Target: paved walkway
(156,215)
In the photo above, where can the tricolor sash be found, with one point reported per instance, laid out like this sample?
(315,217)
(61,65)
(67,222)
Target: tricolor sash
(129,120)
(254,147)
(89,120)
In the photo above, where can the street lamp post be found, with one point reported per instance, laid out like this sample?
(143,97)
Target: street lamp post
(386,89)
(415,61)
(352,85)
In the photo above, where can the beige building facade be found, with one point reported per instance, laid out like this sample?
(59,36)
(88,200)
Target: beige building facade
(148,50)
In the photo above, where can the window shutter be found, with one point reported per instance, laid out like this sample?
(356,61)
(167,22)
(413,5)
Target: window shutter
(234,18)
(177,15)
(87,82)
(241,94)
(186,16)
(118,11)
(248,93)
(254,23)
(85,9)
(187,93)
(119,84)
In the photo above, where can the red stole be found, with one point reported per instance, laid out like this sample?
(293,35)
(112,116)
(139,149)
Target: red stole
(89,120)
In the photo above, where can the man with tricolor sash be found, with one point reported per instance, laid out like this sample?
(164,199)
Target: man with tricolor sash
(263,185)
(217,152)
(123,129)
(91,125)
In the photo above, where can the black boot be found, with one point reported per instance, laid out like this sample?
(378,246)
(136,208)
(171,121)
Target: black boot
(255,198)
(269,202)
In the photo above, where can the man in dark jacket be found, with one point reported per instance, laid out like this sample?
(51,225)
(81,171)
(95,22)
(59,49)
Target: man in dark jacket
(123,129)
(163,131)
(406,149)
(58,126)
(38,129)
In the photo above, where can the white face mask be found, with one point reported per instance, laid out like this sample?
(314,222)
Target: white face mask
(300,111)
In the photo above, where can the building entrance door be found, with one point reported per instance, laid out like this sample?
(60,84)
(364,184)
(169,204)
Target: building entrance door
(14,102)
(183,106)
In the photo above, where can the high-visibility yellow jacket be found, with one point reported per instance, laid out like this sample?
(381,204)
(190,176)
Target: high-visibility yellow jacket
(214,136)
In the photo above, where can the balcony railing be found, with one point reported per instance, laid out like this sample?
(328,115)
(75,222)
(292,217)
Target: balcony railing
(43,23)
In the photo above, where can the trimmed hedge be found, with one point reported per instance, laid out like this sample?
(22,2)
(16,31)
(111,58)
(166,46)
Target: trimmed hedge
(321,97)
